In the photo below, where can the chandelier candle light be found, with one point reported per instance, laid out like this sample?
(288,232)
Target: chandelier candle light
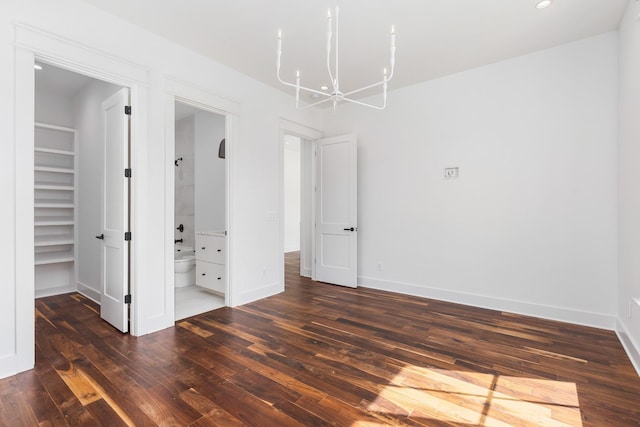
(337,96)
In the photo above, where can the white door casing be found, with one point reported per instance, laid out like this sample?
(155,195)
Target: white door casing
(336,241)
(115,211)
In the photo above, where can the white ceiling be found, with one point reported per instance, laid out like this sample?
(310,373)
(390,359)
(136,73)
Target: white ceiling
(434,37)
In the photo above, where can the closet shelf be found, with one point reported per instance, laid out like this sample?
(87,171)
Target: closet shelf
(53,151)
(53,258)
(53,205)
(54,187)
(51,222)
(54,241)
(51,169)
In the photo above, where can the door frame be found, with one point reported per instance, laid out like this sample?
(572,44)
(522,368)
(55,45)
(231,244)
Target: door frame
(306,133)
(32,44)
(187,93)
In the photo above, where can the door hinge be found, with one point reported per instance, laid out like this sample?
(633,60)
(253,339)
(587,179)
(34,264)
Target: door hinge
(127,235)
(127,110)
(127,173)
(127,299)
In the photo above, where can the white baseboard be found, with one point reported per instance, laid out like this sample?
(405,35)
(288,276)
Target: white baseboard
(632,348)
(89,292)
(292,248)
(11,364)
(562,314)
(256,294)
(59,290)
(305,272)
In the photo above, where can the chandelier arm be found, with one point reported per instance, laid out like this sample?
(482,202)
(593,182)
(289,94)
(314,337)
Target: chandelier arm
(365,88)
(302,87)
(314,104)
(377,107)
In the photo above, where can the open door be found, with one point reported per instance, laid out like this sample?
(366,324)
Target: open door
(114,306)
(336,242)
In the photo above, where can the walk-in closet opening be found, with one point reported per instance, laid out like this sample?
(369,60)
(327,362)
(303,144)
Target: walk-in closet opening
(298,200)
(81,194)
(200,273)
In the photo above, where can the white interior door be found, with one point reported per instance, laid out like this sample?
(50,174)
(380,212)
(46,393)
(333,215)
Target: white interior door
(336,242)
(115,212)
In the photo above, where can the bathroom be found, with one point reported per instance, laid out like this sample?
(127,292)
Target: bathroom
(200,211)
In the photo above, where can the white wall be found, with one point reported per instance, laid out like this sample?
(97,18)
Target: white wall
(87,110)
(254,268)
(530,225)
(53,108)
(185,180)
(209,172)
(292,182)
(628,179)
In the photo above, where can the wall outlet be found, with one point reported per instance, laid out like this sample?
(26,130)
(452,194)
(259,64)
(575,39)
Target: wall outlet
(451,173)
(379,266)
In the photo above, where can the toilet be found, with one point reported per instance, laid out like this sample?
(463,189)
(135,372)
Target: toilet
(184,264)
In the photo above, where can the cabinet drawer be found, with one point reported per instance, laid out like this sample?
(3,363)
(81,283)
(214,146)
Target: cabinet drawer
(210,248)
(210,276)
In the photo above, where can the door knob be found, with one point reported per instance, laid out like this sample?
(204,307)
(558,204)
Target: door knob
(350,229)
(101,237)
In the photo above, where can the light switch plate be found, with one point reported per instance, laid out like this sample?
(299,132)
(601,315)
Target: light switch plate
(451,173)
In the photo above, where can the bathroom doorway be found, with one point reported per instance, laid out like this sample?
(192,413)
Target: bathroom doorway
(81,149)
(200,235)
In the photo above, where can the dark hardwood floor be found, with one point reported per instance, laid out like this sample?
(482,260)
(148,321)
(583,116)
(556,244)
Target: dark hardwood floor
(322,355)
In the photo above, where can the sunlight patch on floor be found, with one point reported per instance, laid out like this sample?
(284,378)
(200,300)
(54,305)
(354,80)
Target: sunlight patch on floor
(479,399)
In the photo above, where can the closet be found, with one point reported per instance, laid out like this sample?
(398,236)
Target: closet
(69,157)
(55,227)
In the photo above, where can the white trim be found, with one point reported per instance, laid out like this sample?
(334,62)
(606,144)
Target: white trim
(630,347)
(562,314)
(64,53)
(260,293)
(199,97)
(296,129)
(24,209)
(55,291)
(89,292)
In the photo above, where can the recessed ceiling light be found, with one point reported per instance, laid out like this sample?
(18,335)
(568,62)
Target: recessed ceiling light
(324,87)
(37,67)
(543,4)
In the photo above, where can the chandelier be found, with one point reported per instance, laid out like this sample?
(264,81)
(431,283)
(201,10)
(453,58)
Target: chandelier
(336,95)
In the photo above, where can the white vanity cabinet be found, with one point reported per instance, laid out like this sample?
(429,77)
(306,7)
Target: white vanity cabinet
(210,261)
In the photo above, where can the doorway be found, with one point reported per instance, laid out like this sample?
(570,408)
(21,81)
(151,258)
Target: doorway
(81,209)
(298,200)
(200,224)
(328,204)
